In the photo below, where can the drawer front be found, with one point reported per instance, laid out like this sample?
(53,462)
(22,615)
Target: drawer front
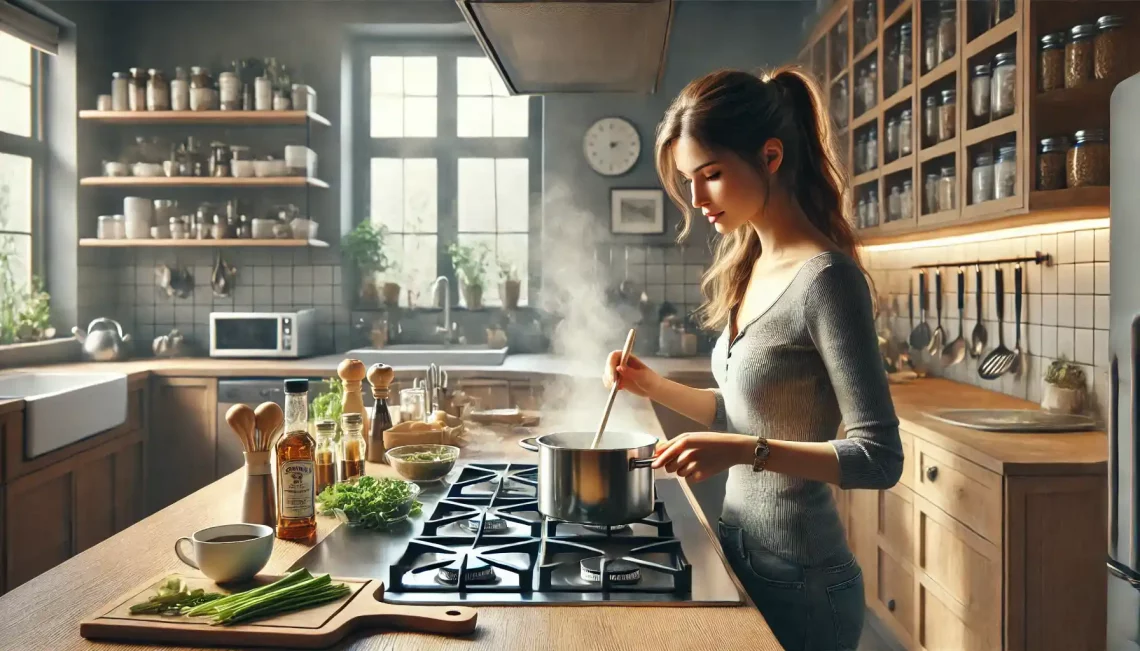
(895,595)
(896,522)
(907,478)
(961,574)
(961,488)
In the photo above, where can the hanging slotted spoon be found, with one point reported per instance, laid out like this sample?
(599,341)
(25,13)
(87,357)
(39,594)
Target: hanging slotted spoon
(979,337)
(998,360)
(1015,365)
(939,334)
(920,335)
(955,351)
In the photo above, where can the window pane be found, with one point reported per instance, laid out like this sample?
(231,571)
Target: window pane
(474,117)
(498,88)
(387,205)
(15,108)
(15,59)
(420,195)
(387,116)
(420,76)
(418,268)
(512,191)
(387,75)
(473,76)
(15,193)
(419,117)
(511,118)
(490,289)
(16,250)
(477,195)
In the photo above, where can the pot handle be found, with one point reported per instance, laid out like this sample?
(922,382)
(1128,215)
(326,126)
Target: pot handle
(634,464)
(529,444)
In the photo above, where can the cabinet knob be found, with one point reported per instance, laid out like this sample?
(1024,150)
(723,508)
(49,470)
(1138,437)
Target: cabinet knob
(932,473)
(891,605)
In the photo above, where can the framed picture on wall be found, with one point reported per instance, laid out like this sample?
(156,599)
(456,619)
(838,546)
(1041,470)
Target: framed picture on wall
(637,212)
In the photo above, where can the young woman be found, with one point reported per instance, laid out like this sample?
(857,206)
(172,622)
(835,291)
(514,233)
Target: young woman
(798,354)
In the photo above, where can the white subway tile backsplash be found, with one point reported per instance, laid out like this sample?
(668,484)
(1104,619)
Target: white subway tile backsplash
(1100,245)
(1083,246)
(1101,277)
(1049,309)
(1083,345)
(1065,310)
(1066,343)
(1049,280)
(1100,308)
(1100,348)
(1065,279)
(1035,338)
(1083,278)
(1048,341)
(1065,248)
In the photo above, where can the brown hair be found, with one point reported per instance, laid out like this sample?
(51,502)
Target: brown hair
(739,112)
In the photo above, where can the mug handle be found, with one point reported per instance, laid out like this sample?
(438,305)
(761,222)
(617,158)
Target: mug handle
(181,556)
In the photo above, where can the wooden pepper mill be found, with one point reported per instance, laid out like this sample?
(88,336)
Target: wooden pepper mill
(380,377)
(351,372)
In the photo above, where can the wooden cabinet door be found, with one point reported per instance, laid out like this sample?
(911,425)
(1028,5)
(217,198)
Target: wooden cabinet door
(961,488)
(896,522)
(862,527)
(182,438)
(894,596)
(38,513)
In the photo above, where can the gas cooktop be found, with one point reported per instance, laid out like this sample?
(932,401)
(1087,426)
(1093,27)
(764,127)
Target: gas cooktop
(482,540)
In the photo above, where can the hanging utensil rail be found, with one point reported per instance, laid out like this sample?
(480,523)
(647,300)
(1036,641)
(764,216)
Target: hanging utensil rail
(1041,258)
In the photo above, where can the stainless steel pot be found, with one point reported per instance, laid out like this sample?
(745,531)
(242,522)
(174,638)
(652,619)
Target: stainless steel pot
(610,485)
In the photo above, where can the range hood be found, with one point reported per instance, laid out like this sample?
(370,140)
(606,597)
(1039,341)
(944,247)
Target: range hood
(573,46)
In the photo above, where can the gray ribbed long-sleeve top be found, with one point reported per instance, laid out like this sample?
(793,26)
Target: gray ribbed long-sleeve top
(808,363)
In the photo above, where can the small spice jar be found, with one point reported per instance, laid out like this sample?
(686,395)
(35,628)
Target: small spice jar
(180,90)
(282,101)
(906,133)
(1087,160)
(157,91)
(946,189)
(947,116)
(1003,92)
(120,91)
(892,141)
(106,229)
(137,89)
(980,92)
(1108,47)
(1005,172)
(930,189)
(229,87)
(982,178)
(1079,55)
(201,94)
(947,34)
(1051,62)
(930,120)
(1051,163)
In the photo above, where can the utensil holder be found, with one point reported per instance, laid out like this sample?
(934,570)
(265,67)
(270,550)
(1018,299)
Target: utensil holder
(258,505)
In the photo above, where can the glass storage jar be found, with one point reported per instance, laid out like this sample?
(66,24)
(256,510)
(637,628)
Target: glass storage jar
(1108,47)
(947,116)
(929,44)
(840,105)
(229,90)
(892,140)
(137,89)
(860,158)
(201,92)
(946,189)
(1051,62)
(180,90)
(1003,94)
(1087,160)
(105,229)
(120,91)
(982,178)
(907,204)
(861,213)
(947,34)
(1051,163)
(157,91)
(1079,55)
(1003,9)
(872,151)
(906,133)
(871,91)
(980,83)
(872,208)
(905,60)
(1005,172)
(930,120)
(894,204)
(870,23)
(930,189)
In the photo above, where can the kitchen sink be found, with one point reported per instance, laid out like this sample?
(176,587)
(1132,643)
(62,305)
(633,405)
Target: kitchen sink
(424,354)
(62,408)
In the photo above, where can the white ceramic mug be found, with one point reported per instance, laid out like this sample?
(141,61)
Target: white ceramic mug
(228,561)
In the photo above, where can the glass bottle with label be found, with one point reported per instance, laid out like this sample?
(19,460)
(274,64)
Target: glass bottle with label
(352,447)
(325,456)
(296,474)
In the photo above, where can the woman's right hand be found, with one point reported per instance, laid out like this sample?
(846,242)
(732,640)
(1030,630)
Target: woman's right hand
(634,376)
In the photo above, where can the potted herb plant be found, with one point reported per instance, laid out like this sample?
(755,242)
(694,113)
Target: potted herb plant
(470,263)
(1065,387)
(364,248)
(509,284)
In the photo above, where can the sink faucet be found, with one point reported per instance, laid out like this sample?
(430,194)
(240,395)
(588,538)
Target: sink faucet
(445,329)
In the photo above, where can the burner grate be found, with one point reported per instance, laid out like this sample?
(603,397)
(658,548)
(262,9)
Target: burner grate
(610,564)
(464,564)
(656,524)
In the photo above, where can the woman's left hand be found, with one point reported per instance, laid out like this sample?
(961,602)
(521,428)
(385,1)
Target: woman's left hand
(700,455)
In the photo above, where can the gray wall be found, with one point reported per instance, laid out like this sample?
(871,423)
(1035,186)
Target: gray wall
(309,38)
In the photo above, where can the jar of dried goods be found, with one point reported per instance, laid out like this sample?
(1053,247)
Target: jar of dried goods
(1051,163)
(946,189)
(1005,172)
(1079,55)
(872,150)
(180,90)
(137,89)
(860,159)
(906,133)
(1051,62)
(929,44)
(894,204)
(1108,47)
(157,91)
(930,120)
(947,34)
(1003,91)
(201,92)
(1087,160)
(947,116)
(980,92)
(861,213)
(229,87)
(904,58)
(872,208)
(892,141)
(907,200)
(930,189)
(982,178)
(120,91)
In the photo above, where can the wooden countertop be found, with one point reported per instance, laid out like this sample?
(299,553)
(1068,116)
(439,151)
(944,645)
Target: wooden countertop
(45,612)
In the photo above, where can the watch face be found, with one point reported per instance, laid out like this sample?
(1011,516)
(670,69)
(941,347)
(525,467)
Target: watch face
(611,146)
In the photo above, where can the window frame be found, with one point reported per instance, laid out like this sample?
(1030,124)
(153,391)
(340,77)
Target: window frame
(446,147)
(34,147)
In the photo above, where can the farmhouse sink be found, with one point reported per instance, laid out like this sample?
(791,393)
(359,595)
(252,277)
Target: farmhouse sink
(62,408)
(424,354)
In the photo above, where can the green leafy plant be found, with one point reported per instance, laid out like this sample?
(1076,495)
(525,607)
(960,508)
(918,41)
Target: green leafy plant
(1065,374)
(470,262)
(328,405)
(25,312)
(364,247)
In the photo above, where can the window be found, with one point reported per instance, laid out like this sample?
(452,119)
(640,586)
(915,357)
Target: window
(21,155)
(453,158)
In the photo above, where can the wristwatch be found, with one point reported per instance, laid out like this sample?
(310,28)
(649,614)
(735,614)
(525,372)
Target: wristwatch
(762,452)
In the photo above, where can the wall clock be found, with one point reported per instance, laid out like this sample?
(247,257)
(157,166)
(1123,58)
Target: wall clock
(611,146)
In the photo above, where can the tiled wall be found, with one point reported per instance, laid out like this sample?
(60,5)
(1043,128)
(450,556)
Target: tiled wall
(1065,310)
(665,272)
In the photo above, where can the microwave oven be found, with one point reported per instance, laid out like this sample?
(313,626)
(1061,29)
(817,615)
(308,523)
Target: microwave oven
(263,334)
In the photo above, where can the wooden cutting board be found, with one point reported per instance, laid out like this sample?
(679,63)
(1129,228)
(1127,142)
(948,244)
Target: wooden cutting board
(315,628)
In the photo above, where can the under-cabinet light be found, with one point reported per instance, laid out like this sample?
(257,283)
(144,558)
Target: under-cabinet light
(989,236)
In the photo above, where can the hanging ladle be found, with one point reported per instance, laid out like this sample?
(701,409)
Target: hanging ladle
(955,351)
(920,336)
(939,335)
(979,336)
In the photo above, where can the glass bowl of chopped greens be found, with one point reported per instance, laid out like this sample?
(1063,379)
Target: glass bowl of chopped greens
(371,502)
(423,462)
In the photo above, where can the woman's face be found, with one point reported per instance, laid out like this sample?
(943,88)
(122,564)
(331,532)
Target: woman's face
(727,190)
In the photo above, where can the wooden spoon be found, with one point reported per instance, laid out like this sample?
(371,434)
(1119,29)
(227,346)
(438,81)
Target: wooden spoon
(242,420)
(614,389)
(269,420)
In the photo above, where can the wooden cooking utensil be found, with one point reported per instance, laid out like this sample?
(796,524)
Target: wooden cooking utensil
(242,420)
(614,389)
(258,503)
(269,421)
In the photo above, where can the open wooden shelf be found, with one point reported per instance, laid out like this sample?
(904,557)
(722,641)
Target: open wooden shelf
(897,15)
(201,182)
(992,207)
(1094,91)
(865,52)
(192,244)
(267,118)
(994,35)
(837,78)
(865,118)
(941,149)
(942,70)
(898,165)
(866,177)
(904,95)
(994,129)
(1093,200)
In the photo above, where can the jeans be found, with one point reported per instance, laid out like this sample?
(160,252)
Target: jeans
(808,608)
